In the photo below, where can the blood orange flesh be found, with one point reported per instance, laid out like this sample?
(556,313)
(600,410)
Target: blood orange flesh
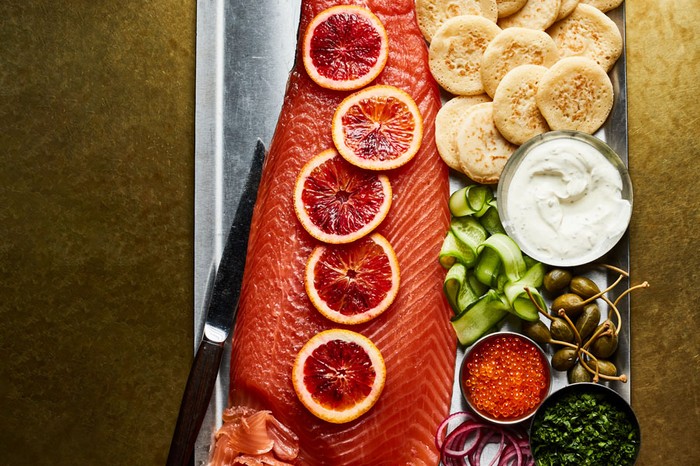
(378,128)
(388,116)
(337,202)
(345,47)
(353,283)
(338,375)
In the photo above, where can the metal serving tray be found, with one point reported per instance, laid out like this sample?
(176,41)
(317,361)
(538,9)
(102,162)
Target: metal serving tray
(245,51)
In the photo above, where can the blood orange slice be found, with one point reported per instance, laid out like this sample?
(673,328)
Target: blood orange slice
(337,202)
(378,128)
(338,375)
(345,47)
(353,283)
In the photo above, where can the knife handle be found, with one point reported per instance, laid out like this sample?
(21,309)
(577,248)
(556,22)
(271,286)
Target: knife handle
(195,400)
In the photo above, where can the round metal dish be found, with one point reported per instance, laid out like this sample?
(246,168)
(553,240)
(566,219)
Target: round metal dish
(475,348)
(580,388)
(605,244)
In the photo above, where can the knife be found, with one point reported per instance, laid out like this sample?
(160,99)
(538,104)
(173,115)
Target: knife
(220,318)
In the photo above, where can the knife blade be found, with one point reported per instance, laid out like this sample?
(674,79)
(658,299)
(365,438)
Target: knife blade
(220,318)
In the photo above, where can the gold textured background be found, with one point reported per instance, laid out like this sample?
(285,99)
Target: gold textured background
(96,227)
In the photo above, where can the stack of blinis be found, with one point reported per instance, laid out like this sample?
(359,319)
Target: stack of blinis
(514,69)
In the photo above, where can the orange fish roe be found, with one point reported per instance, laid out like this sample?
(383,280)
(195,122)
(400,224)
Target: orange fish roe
(505,377)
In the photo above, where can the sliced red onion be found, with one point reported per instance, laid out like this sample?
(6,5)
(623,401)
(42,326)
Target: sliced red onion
(440,436)
(465,444)
(501,447)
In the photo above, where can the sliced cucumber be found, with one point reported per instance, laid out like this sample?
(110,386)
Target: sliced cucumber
(469,231)
(470,200)
(479,288)
(509,253)
(518,298)
(491,221)
(459,289)
(488,275)
(478,318)
(454,281)
(488,268)
(454,251)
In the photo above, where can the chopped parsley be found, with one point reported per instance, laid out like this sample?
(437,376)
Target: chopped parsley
(584,429)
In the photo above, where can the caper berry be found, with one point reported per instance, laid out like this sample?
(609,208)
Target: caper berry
(583,286)
(570,302)
(564,359)
(537,330)
(588,320)
(604,367)
(556,280)
(605,345)
(561,330)
(578,373)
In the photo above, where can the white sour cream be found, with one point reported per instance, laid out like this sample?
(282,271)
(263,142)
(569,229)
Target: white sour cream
(565,204)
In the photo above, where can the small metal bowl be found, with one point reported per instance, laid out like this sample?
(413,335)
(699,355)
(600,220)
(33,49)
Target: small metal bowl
(580,388)
(537,238)
(476,348)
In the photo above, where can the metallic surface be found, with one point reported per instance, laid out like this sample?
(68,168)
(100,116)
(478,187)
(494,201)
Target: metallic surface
(220,317)
(232,106)
(615,134)
(245,51)
(97,112)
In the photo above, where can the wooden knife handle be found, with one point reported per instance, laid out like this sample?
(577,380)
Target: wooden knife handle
(195,401)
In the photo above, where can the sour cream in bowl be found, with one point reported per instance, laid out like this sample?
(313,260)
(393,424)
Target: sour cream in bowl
(565,197)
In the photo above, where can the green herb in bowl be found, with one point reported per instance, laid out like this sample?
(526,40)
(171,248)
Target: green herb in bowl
(585,424)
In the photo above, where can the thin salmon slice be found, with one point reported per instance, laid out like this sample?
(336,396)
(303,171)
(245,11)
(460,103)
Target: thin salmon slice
(276,317)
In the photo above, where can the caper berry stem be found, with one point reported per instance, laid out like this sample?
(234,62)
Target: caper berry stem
(596,373)
(582,360)
(613,305)
(644,284)
(603,330)
(585,365)
(570,345)
(601,293)
(615,269)
(539,308)
(588,353)
(616,311)
(577,335)
(622,378)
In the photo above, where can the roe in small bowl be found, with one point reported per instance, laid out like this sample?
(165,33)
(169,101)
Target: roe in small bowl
(504,377)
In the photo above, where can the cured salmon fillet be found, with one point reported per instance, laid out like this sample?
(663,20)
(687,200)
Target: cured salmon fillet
(276,317)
